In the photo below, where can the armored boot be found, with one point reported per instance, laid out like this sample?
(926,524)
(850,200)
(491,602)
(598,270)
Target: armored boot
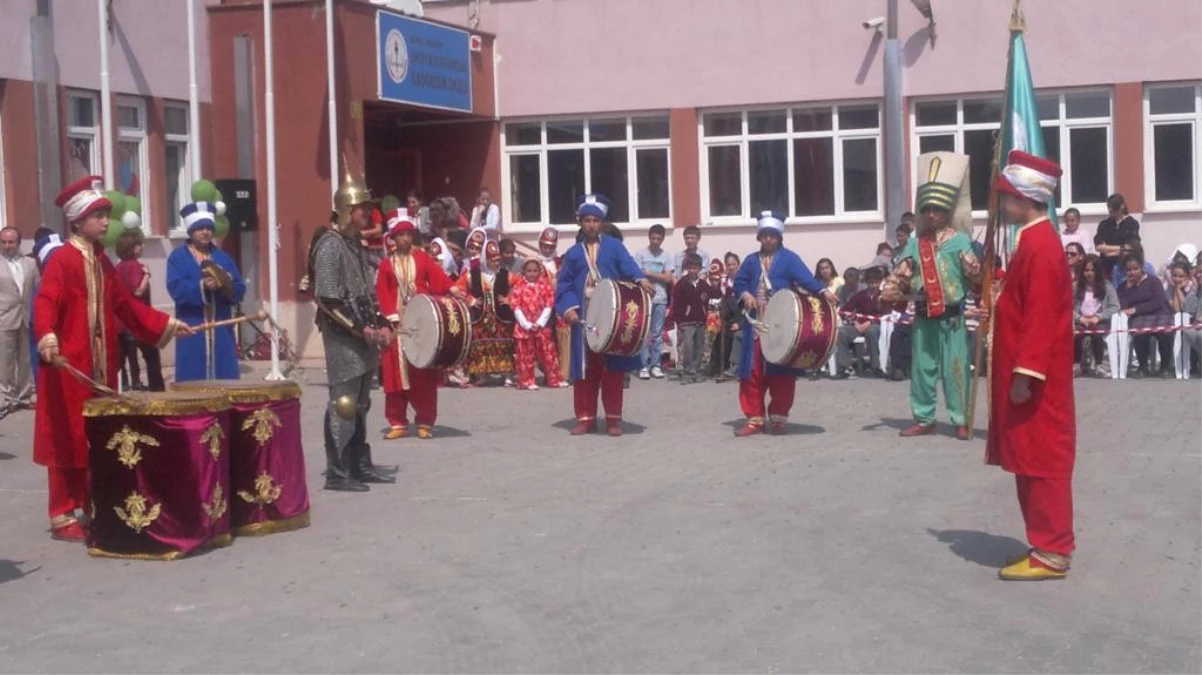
(362,467)
(338,474)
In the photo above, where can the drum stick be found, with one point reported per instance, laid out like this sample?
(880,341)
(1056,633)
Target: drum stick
(260,316)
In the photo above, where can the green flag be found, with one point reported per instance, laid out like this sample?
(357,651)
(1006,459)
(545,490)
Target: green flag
(1020,116)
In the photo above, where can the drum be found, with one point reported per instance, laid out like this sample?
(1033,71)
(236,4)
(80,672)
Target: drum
(160,467)
(617,318)
(801,330)
(435,331)
(267,459)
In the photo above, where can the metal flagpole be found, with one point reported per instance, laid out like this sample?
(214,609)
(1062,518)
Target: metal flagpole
(193,96)
(106,97)
(332,89)
(273,234)
(895,149)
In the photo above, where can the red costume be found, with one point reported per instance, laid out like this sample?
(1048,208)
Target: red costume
(76,314)
(1036,440)
(400,278)
(532,304)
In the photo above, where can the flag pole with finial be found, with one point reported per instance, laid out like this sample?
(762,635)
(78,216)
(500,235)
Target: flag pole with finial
(1018,24)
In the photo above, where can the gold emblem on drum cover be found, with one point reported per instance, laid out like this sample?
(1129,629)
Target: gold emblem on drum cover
(632,313)
(452,316)
(213,436)
(126,442)
(807,359)
(135,514)
(216,508)
(816,320)
(266,491)
(264,422)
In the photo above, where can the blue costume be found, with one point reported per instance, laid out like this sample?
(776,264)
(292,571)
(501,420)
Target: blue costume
(210,354)
(613,262)
(788,270)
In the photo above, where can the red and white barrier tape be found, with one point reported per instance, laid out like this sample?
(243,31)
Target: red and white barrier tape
(905,321)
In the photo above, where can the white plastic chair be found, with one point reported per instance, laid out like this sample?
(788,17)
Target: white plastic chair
(1181,351)
(882,345)
(1118,346)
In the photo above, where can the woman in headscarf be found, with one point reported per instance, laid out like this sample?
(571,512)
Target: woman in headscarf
(486,286)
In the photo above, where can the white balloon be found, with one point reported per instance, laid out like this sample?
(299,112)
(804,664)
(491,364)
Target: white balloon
(131,220)
(220,208)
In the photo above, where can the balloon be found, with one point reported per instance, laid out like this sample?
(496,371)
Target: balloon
(133,204)
(131,220)
(222,227)
(204,191)
(219,203)
(118,201)
(389,204)
(114,231)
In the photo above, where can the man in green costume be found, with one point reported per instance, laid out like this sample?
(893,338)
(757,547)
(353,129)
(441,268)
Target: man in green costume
(936,270)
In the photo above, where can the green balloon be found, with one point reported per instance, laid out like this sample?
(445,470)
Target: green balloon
(204,191)
(134,204)
(222,227)
(389,204)
(119,203)
(114,231)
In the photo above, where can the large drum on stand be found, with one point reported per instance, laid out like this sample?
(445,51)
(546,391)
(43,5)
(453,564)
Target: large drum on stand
(617,318)
(267,460)
(436,331)
(800,329)
(160,467)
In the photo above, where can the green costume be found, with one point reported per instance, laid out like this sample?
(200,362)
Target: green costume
(939,336)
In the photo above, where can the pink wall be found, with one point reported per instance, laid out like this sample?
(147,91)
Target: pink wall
(643,54)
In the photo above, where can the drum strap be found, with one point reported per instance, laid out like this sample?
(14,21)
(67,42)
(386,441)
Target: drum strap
(404,270)
(765,287)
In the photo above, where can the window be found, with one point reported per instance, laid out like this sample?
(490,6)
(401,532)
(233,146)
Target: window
(1171,142)
(805,162)
(131,149)
(550,164)
(83,134)
(178,178)
(1077,122)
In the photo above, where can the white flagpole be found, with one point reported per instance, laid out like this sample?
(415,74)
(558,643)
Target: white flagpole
(331,87)
(273,234)
(193,97)
(106,98)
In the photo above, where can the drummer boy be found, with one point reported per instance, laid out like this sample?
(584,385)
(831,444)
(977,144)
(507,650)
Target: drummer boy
(593,258)
(772,269)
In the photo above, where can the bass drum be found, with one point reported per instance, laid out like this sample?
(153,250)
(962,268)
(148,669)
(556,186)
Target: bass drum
(801,330)
(435,331)
(618,318)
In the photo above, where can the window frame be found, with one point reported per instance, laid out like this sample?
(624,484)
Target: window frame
(89,133)
(176,227)
(789,135)
(631,145)
(1062,122)
(1150,122)
(142,138)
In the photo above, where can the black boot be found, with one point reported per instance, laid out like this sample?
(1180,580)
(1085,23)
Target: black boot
(363,457)
(338,475)
(367,472)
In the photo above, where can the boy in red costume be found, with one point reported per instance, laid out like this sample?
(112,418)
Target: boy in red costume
(75,323)
(1032,423)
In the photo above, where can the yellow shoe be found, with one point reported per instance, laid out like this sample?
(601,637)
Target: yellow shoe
(395,433)
(425,433)
(1023,570)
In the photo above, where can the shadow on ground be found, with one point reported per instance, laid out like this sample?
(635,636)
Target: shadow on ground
(982,548)
(627,427)
(10,570)
(792,429)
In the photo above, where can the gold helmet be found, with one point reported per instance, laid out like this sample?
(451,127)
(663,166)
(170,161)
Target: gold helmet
(351,193)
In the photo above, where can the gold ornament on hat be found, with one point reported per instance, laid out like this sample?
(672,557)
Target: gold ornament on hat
(352,191)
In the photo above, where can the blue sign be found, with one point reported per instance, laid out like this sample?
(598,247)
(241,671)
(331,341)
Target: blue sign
(422,63)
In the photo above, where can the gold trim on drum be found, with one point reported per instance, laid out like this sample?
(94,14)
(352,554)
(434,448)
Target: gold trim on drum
(240,392)
(158,404)
(217,541)
(273,526)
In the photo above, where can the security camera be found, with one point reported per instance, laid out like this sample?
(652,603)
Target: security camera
(874,23)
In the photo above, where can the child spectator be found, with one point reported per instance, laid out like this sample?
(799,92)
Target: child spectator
(851,285)
(689,300)
(532,302)
(136,277)
(1073,234)
(509,258)
(1095,301)
(1143,300)
(692,237)
(826,273)
(863,309)
(656,264)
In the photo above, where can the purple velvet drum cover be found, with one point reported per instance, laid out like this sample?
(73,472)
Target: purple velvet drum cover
(267,459)
(801,329)
(160,474)
(617,318)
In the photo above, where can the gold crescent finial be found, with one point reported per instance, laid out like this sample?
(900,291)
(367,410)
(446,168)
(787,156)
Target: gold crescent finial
(933,171)
(1018,21)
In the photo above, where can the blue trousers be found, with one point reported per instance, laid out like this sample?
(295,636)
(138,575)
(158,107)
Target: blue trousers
(654,347)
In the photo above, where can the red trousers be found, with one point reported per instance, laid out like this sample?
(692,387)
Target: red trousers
(1047,506)
(540,345)
(422,395)
(68,491)
(597,379)
(753,391)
